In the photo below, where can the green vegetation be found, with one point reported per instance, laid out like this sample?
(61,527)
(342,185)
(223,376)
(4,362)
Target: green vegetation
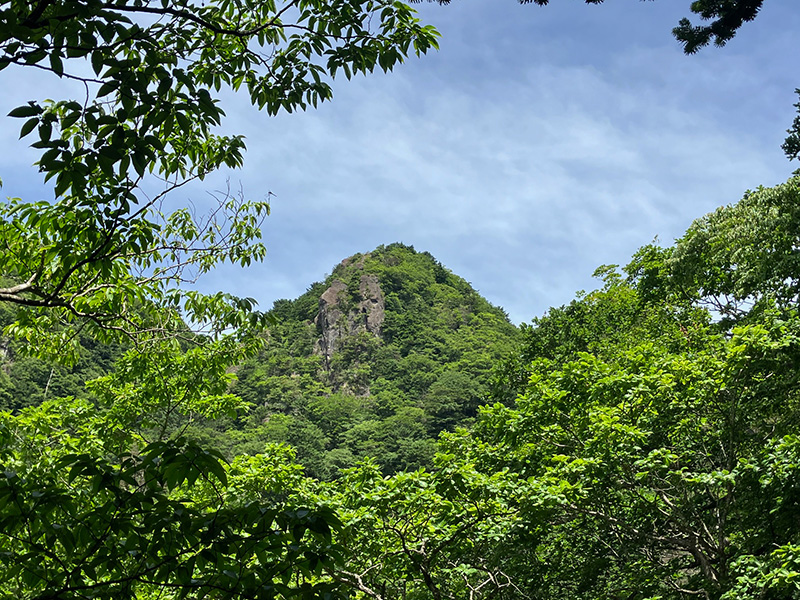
(103,497)
(664,460)
(28,381)
(386,393)
(640,443)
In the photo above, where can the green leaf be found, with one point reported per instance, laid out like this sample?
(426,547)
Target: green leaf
(27,127)
(32,109)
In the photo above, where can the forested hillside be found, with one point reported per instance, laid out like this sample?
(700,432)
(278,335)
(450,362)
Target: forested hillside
(375,361)
(28,381)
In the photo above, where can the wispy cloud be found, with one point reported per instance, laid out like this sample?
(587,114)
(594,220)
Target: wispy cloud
(537,145)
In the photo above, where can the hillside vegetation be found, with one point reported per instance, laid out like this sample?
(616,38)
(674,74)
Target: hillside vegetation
(27,380)
(375,361)
(640,442)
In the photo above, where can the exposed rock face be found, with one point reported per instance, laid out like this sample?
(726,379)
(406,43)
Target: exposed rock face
(372,306)
(338,318)
(329,318)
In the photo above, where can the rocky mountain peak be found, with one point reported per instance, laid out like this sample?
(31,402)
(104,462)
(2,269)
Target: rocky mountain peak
(344,311)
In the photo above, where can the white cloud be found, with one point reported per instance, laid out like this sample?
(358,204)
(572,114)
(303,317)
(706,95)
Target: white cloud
(538,144)
(553,175)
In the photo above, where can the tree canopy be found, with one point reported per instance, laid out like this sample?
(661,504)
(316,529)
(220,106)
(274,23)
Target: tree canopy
(103,497)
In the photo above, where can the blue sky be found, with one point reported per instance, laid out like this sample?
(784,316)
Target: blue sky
(536,145)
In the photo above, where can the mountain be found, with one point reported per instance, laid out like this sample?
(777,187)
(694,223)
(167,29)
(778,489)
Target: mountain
(375,361)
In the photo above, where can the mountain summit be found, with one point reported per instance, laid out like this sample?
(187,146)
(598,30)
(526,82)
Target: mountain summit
(375,361)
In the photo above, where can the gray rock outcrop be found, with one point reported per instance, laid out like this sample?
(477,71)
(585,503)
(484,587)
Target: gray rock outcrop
(339,318)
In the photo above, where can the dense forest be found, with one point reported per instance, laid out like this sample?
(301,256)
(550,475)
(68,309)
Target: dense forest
(641,441)
(374,362)
(389,434)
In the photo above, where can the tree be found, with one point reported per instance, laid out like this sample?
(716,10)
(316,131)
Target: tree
(106,254)
(421,535)
(654,432)
(737,261)
(791,146)
(104,497)
(657,472)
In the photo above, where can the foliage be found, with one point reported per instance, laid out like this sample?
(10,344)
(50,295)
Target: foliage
(29,381)
(424,535)
(726,18)
(384,396)
(642,443)
(107,254)
(646,462)
(102,496)
(84,522)
(736,261)
(654,441)
(791,147)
